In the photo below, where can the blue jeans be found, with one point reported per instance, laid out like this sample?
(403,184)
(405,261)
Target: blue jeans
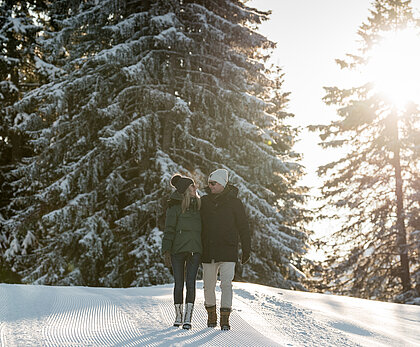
(181,262)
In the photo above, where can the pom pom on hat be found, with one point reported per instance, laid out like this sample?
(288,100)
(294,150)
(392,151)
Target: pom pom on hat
(220,176)
(181,183)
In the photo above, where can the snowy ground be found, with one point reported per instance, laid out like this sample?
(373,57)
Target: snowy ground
(262,316)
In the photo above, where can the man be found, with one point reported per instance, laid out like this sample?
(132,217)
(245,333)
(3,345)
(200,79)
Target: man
(224,222)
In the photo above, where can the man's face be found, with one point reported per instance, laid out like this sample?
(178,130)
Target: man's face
(215,187)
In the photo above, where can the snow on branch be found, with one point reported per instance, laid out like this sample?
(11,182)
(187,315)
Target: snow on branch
(165,21)
(49,70)
(129,26)
(133,133)
(19,25)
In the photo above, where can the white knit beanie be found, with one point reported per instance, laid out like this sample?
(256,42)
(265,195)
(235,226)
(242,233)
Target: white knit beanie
(220,176)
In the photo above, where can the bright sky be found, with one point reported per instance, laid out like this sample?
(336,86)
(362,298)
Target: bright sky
(310,35)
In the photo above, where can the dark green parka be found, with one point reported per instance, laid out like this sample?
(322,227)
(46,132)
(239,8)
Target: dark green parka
(182,230)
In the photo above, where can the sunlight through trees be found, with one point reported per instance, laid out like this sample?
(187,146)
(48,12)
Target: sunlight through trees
(372,189)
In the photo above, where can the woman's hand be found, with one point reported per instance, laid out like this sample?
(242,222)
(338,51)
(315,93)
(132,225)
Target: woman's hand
(167,259)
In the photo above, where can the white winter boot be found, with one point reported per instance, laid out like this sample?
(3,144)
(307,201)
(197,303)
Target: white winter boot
(178,317)
(188,315)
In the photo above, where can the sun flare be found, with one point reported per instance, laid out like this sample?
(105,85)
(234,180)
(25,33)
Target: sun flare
(394,66)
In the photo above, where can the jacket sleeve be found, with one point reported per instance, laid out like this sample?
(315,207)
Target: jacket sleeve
(241,221)
(170,229)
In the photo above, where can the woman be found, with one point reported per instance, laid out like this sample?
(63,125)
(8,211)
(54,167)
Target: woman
(181,244)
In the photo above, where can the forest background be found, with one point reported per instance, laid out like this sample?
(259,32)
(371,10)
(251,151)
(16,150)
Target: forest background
(102,101)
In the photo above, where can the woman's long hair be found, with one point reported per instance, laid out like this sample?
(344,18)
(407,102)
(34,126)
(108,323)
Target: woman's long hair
(186,200)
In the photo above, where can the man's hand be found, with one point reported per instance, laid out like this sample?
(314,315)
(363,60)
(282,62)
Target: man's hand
(167,259)
(245,258)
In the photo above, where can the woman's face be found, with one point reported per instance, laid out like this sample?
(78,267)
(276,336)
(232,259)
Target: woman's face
(193,190)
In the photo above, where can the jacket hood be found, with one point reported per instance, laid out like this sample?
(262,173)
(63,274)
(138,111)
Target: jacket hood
(176,199)
(176,196)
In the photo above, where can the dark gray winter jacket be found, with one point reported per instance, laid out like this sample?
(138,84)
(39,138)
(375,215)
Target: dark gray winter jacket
(224,223)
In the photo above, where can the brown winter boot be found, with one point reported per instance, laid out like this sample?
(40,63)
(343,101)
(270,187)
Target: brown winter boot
(211,316)
(224,318)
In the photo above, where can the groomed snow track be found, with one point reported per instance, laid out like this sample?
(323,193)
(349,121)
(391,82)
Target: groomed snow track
(262,316)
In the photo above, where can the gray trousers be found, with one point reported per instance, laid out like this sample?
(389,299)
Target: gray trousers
(227,272)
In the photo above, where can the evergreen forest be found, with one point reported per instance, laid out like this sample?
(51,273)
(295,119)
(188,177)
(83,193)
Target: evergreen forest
(102,101)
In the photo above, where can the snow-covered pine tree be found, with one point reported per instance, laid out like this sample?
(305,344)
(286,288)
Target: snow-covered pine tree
(19,27)
(150,88)
(370,189)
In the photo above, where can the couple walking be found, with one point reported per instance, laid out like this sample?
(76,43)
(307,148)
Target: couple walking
(204,230)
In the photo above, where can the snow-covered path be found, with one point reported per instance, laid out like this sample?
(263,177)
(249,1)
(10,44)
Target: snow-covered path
(262,316)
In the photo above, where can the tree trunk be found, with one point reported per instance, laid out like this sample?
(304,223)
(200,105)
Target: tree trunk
(401,232)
